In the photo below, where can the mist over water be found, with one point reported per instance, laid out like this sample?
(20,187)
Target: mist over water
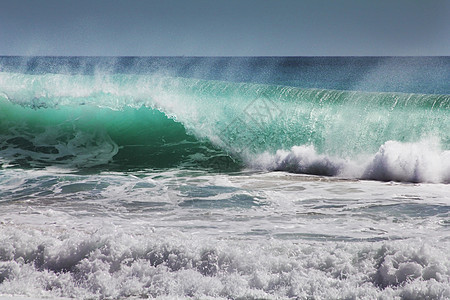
(225,177)
(423,75)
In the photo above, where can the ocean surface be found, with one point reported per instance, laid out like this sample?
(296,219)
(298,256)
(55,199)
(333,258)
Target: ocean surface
(225,178)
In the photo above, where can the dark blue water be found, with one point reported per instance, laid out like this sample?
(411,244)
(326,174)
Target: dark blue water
(426,75)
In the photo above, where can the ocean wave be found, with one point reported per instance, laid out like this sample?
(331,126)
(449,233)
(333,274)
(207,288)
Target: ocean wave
(149,121)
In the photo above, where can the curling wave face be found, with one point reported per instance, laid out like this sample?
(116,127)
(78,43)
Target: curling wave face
(147,121)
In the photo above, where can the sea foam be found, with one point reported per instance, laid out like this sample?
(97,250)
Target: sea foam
(116,263)
(395,161)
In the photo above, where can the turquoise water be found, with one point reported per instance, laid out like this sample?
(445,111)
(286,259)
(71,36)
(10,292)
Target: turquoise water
(224,178)
(145,121)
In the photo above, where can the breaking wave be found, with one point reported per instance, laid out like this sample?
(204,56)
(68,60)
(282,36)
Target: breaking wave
(147,121)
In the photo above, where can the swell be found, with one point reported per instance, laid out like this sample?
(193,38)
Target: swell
(139,121)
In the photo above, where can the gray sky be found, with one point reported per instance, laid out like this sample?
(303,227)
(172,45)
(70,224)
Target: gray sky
(223,28)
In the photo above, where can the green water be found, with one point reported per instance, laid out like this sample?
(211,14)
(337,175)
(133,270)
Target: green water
(141,121)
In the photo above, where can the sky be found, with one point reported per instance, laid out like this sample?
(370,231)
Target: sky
(225,28)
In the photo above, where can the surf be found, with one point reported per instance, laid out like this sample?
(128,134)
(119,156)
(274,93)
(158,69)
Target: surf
(134,122)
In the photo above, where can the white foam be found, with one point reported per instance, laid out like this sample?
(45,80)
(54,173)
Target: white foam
(423,161)
(113,235)
(412,162)
(113,262)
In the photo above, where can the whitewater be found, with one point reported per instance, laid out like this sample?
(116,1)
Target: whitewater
(225,178)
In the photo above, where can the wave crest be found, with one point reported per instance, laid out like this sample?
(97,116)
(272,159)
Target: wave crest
(159,121)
